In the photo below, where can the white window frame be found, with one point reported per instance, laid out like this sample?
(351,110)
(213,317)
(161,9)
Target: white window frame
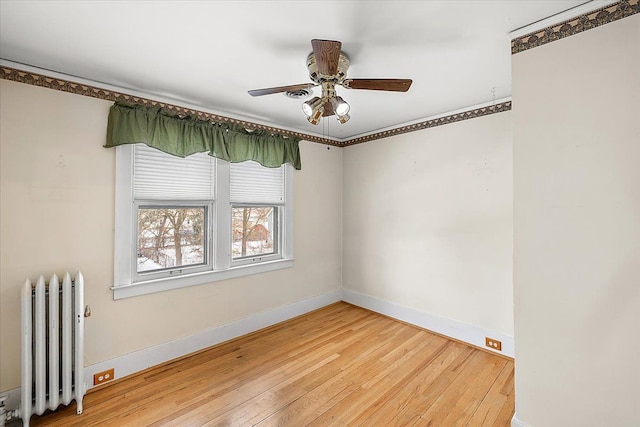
(128,283)
(184,269)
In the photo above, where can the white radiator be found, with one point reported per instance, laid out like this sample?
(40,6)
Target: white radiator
(52,345)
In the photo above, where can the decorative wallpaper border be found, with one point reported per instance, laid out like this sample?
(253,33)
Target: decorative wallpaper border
(466,115)
(35,79)
(596,18)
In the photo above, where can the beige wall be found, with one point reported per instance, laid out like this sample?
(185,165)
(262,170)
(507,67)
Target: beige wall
(577,229)
(57,214)
(427,221)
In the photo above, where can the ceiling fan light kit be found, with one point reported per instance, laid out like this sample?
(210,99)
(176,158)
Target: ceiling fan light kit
(314,109)
(315,118)
(343,119)
(311,106)
(340,106)
(328,66)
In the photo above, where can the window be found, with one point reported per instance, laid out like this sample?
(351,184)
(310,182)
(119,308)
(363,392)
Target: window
(182,222)
(257,198)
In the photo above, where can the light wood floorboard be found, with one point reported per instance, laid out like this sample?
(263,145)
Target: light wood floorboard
(337,366)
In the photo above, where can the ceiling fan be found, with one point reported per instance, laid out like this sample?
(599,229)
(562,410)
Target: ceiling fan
(327,66)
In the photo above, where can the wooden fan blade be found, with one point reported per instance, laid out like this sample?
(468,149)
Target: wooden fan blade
(327,53)
(394,85)
(270,90)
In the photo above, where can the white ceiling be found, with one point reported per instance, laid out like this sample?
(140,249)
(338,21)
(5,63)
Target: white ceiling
(207,55)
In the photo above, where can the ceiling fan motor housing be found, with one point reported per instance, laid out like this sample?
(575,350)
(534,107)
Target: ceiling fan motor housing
(319,78)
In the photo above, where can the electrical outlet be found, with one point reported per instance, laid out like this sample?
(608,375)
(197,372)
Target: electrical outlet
(493,343)
(103,377)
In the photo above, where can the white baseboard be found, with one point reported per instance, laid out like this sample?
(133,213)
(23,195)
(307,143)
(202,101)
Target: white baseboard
(473,335)
(515,422)
(140,360)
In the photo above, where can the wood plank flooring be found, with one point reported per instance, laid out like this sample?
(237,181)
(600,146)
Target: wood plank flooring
(338,366)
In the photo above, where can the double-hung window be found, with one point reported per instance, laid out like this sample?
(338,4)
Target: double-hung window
(194,220)
(173,200)
(257,209)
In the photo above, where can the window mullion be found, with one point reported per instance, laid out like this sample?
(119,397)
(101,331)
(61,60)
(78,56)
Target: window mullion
(222,216)
(286,219)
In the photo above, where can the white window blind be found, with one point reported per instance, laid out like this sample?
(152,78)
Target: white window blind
(253,183)
(160,176)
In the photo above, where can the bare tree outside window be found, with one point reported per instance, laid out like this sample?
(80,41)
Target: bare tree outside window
(253,230)
(170,237)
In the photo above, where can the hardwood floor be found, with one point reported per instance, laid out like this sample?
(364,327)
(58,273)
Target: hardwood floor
(340,365)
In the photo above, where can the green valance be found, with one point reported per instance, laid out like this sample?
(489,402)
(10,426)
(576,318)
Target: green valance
(181,136)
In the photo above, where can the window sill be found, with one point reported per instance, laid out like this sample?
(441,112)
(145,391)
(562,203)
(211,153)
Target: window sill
(169,283)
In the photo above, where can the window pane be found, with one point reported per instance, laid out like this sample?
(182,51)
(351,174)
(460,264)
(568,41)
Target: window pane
(253,229)
(170,237)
